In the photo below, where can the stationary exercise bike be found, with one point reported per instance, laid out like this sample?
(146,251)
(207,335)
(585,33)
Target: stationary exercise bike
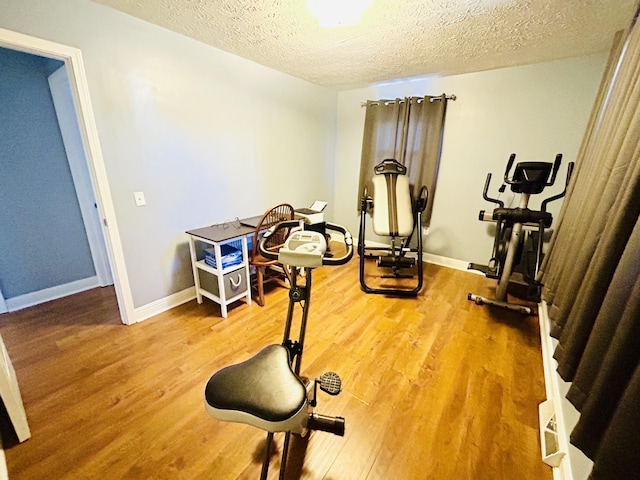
(267,391)
(516,248)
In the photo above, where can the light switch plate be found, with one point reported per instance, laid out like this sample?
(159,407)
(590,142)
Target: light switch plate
(140,200)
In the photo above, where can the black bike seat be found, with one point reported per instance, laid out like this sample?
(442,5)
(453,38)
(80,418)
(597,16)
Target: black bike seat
(262,391)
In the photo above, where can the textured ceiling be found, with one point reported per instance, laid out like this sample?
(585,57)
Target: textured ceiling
(396,38)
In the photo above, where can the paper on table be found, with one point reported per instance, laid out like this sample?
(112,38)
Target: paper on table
(318,206)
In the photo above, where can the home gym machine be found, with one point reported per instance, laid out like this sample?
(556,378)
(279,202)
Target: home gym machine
(267,391)
(519,235)
(396,214)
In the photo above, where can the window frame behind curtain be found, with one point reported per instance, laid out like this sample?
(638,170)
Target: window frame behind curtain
(409,130)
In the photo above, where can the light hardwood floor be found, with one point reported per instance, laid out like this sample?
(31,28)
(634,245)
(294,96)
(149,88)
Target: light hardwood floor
(435,387)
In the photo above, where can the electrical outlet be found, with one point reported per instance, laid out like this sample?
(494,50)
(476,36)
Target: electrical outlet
(139,197)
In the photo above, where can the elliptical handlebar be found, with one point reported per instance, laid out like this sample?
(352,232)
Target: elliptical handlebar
(569,173)
(273,255)
(512,158)
(545,202)
(556,166)
(485,191)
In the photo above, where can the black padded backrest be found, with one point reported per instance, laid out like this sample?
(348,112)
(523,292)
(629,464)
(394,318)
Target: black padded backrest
(531,177)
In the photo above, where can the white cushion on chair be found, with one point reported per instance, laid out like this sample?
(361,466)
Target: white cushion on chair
(392,213)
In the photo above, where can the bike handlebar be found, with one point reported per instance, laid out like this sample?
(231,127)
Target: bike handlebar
(273,255)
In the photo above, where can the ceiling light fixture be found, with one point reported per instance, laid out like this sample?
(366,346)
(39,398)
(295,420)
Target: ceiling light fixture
(338,13)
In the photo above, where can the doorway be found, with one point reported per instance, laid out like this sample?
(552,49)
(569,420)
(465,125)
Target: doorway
(51,243)
(84,115)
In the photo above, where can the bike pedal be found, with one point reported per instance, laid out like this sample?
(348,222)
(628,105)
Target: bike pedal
(330,383)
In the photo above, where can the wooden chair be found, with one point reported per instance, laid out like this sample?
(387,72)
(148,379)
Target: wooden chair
(263,272)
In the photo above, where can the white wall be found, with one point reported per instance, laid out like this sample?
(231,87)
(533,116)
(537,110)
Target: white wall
(534,111)
(207,136)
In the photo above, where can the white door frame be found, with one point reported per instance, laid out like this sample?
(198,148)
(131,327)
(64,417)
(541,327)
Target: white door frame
(68,121)
(3,304)
(72,58)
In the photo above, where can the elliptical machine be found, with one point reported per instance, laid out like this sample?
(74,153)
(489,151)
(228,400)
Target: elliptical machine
(267,391)
(516,248)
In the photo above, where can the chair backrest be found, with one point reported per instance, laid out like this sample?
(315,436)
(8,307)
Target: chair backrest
(392,210)
(273,216)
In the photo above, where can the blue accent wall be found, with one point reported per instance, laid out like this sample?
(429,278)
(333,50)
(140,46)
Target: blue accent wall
(43,242)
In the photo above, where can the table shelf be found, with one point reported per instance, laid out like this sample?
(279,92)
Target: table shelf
(221,285)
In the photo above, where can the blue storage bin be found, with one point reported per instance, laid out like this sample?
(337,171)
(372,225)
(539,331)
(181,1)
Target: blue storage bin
(230,256)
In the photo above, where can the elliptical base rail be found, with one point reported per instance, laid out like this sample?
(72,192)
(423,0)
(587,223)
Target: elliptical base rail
(479,300)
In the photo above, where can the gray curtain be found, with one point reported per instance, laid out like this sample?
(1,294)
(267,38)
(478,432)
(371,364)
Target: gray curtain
(409,130)
(591,274)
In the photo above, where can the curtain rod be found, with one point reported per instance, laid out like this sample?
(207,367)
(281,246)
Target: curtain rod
(451,97)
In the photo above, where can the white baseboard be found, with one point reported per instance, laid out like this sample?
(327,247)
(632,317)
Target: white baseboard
(141,313)
(447,262)
(555,395)
(3,304)
(162,305)
(52,293)
(430,258)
